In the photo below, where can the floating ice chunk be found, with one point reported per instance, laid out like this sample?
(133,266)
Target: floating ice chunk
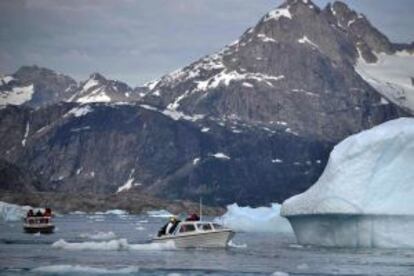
(205,129)
(79,269)
(220,155)
(112,245)
(261,219)
(280,273)
(364,196)
(159,214)
(78,213)
(99,236)
(235,245)
(116,212)
(12,212)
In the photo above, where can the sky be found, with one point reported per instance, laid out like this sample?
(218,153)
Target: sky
(140,40)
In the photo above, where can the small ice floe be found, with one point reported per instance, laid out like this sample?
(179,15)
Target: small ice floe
(280,273)
(140,228)
(235,245)
(220,155)
(99,236)
(116,212)
(112,245)
(65,269)
(78,213)
(159,214)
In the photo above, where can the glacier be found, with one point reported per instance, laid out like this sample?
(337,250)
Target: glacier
(364,198)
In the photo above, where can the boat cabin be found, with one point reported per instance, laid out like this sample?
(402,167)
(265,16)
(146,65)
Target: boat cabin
(187,227)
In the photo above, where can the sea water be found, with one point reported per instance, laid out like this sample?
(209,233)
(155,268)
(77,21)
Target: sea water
(108,244)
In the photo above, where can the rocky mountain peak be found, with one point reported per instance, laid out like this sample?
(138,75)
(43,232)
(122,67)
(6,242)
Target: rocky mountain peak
(366,38)
(97,77)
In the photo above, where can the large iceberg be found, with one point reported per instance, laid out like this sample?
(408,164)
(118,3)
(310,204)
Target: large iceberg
(365,196)
(12,212)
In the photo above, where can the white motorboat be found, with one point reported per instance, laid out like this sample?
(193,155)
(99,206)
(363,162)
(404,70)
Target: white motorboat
(189,234)
(41,224)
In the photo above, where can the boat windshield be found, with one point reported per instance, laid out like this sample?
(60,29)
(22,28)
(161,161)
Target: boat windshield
(185,228)
(217,226)
(204,226)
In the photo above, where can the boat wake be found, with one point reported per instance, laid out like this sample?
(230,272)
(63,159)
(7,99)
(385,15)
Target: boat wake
(99,236)
(112,245)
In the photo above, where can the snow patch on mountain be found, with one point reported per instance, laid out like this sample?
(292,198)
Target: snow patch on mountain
(80,111)
(97,95)
(276,14)
(17,96)
(306,40)
(129,184)
(5,80)
(392,76)
(89,84)
(26,134)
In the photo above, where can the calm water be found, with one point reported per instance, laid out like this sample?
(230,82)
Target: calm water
(251,253)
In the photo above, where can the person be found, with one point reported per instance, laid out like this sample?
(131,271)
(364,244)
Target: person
(39,213)
(172,225)
(193,217)
(48,212)
(30,213)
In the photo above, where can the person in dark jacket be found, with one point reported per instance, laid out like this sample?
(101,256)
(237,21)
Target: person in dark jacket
(193,217)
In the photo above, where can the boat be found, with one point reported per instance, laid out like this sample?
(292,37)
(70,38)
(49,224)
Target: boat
(41,225)
(190,234)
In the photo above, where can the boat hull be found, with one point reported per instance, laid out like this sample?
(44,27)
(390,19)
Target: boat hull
(43,229)
(213,239)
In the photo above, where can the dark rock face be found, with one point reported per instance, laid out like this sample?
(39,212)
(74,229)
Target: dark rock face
(16,179)
(101,150)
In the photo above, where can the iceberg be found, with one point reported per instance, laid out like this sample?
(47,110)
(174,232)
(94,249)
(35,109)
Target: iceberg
(12,212)
(364,198)
(261,219)
(159,214)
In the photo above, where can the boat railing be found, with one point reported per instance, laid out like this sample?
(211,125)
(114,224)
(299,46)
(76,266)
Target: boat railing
(38,220)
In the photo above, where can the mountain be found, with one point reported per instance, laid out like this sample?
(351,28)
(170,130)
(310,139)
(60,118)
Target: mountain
(38,87)
(253,123)
(35,86)
(297,65)
(98,89)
